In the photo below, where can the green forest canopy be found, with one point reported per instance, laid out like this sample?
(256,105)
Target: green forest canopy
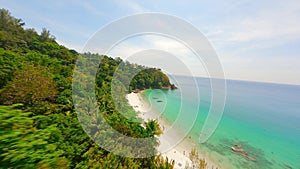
(39,128)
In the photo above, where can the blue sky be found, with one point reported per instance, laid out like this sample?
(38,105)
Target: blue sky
(255,40)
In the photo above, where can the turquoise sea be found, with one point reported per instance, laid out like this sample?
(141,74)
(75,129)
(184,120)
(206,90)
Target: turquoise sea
(262,118)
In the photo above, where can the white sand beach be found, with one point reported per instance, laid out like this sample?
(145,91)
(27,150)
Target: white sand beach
(178,152)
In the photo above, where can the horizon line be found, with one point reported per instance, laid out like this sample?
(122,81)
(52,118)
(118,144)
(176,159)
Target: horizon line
(243,80)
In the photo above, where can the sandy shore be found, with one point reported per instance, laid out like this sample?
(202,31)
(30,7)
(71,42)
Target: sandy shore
(179,152)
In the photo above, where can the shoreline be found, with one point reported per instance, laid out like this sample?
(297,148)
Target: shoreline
(180,152)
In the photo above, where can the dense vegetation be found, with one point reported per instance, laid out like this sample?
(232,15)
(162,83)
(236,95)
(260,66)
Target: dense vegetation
(39,128)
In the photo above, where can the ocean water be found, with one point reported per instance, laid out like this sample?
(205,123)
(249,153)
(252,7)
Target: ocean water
(263,118)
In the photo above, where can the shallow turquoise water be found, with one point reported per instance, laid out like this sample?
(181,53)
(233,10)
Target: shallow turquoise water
(262,117)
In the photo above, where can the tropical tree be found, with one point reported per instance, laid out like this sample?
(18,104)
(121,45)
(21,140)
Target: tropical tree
(30,85)
(24,146)
(153,128)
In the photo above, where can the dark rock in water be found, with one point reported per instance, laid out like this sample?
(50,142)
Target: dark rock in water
(238,145)
(288,166)
(173,87)
(251,158)
(159,101)
(238,149)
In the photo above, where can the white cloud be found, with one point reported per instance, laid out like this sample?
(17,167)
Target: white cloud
(171,53)
(267,28)
(270,25)
(131,46)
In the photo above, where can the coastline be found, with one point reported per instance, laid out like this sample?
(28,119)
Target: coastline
(180,152)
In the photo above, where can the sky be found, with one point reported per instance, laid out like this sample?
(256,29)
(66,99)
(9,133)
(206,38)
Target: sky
(255,40)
